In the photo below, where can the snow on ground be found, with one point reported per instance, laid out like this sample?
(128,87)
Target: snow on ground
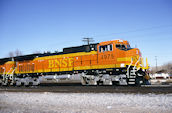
(18,102)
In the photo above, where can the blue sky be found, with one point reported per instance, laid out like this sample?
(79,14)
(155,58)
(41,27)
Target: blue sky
(49,25)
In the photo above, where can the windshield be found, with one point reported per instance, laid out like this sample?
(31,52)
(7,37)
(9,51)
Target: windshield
(128,47)
(123,47)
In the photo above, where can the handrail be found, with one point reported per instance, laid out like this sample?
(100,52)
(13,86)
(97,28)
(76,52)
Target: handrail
(4,71)
(9,71)
(13,70)
(147,65)
(129,67)
(136,63)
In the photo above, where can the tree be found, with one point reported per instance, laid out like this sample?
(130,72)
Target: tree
(166,68)
(36,52)
(11,54)
(17,52)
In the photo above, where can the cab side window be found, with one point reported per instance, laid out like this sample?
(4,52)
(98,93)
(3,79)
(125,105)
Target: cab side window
(105,48)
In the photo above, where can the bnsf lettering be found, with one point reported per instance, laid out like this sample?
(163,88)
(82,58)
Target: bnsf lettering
(56,63)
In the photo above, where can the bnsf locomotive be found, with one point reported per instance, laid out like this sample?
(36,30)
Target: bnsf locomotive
(104,63)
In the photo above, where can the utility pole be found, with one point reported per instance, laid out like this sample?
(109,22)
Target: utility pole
(156,63)
(88,40)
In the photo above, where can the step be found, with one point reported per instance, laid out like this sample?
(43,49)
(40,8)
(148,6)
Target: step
(131,82)
(132,76)
(131,79)
(132,70)
(139,74)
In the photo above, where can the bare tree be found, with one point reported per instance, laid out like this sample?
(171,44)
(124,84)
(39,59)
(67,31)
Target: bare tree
(166,68)
(56,51)
(15,53)
(36,52)
(18,52)
(11,54)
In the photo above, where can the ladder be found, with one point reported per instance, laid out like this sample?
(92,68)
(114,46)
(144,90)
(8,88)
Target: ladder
(8,76)
(131,73)
(132,77)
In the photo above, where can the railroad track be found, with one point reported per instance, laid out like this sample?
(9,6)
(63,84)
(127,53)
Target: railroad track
(78,88)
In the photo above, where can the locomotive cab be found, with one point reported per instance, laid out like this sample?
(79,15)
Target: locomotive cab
(117,52)
(118,56)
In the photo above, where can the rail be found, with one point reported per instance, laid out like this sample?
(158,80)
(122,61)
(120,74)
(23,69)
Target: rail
(4,71)
(129,67)
(13,70)
(136,63)
(9,71)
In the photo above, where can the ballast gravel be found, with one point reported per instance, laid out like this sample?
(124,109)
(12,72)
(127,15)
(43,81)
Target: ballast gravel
(19,102)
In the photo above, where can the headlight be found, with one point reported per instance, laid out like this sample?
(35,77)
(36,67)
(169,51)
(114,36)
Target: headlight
(122,65)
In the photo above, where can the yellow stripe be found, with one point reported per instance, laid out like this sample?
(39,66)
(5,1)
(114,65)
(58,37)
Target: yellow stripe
(66,55)
(124,59)
(75,68)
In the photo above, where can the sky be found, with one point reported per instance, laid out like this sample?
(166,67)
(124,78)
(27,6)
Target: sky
(50,25)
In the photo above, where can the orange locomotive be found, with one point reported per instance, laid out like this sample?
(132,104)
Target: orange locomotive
(106,63)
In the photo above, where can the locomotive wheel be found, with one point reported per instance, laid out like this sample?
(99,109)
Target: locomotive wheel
(86,81)
(139,81)
(18,83)
(83,81)
(92,82)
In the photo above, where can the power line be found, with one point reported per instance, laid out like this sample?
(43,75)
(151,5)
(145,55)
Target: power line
(136,30)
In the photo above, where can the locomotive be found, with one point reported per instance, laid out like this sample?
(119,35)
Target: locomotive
(106,63)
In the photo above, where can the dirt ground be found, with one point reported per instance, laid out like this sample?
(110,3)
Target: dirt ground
(48,102)
(67,98)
